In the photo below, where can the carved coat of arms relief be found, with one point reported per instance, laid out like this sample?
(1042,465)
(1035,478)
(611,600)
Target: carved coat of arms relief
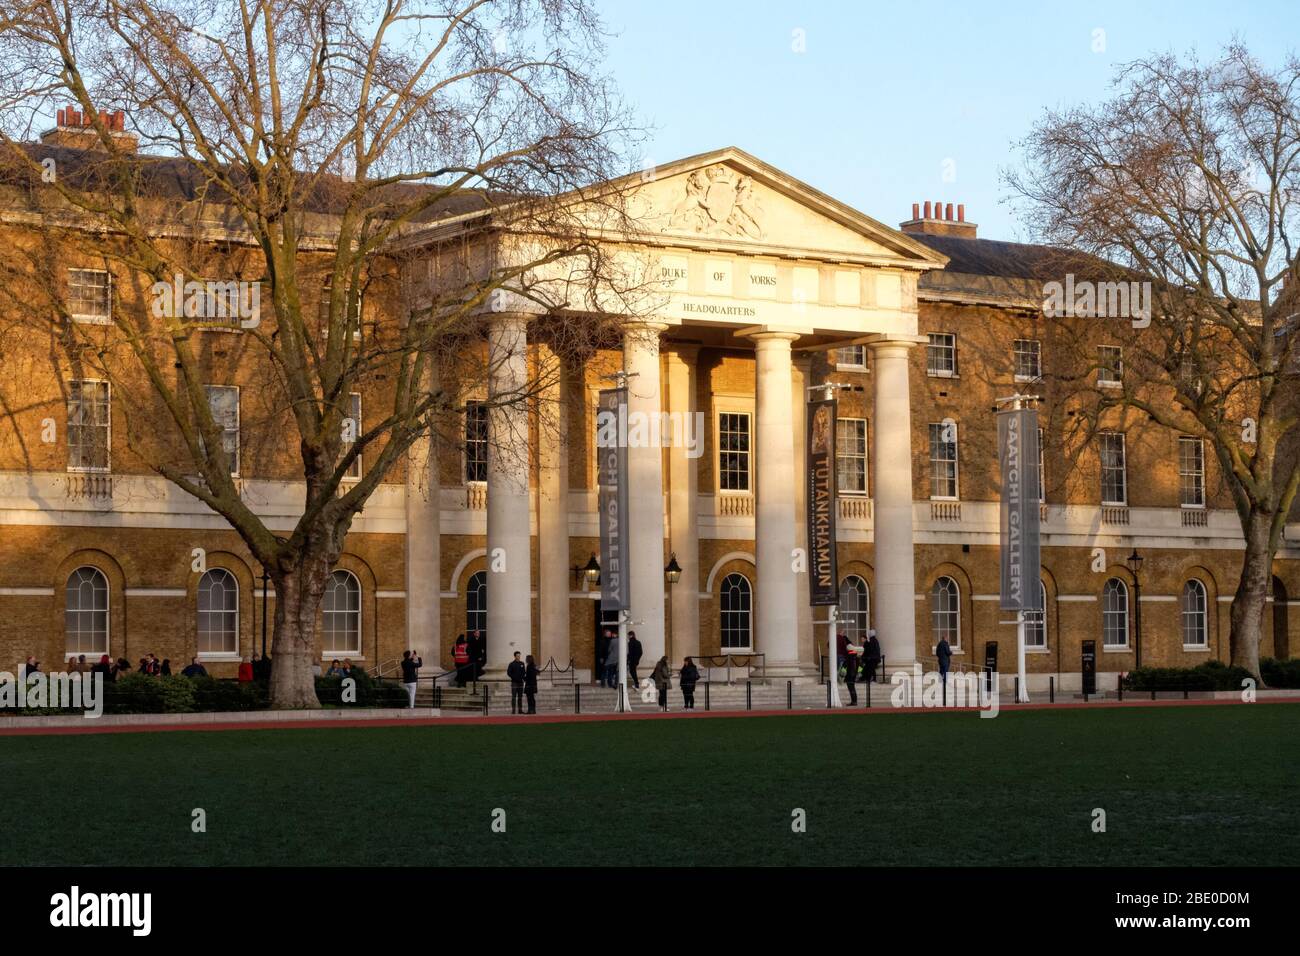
(719,202)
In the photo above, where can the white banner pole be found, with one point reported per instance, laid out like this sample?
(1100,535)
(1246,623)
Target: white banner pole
(623,705)
(1023,692)
(833,650)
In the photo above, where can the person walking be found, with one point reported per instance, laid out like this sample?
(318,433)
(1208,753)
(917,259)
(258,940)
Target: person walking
(530,683)
(690,676)
(943,653)
(663,681)
(611,664)
(516,672)
(872,655)
(460,656)
(602,652)
(411,664)
(849,653)
(633,657)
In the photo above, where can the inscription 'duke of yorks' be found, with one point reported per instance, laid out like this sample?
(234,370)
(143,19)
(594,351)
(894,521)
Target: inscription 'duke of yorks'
(719,202)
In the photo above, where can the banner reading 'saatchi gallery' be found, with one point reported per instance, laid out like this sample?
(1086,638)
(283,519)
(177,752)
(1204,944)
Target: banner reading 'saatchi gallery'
(611,449)
(1019,539)
(819,447)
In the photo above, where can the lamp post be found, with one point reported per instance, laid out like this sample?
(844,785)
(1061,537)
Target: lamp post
(1135,565)
(672,574)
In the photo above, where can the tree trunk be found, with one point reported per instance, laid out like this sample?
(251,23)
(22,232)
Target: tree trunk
(298,594)
(1251,599)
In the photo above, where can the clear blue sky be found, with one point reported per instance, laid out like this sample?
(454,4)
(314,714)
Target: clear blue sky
(885,93)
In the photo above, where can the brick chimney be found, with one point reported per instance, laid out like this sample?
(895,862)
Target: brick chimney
(76,130)
(939,220)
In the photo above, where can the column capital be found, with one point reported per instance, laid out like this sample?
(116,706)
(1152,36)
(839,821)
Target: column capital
(768,333)
(883,341)
(644,325)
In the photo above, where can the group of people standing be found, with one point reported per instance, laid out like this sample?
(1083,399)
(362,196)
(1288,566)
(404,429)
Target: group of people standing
(858,660)
(469,654)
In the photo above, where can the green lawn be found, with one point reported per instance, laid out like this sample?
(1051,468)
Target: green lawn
(1188,786)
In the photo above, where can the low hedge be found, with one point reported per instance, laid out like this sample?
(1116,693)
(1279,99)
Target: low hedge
(1212,675)
(143,694)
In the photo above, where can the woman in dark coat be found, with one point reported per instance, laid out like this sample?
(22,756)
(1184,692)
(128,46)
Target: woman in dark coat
(663,681)
(530,683)
(690,677)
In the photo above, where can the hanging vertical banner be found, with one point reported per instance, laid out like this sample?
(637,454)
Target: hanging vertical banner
(823,580)
(611,449)
(1018,459)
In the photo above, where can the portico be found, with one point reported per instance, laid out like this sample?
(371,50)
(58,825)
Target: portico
(745,268)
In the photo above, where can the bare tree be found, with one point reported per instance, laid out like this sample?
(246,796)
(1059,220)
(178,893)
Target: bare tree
(301,145)
(1187,181)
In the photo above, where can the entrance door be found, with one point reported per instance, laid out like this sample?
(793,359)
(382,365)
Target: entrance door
(1281,621)
(604,623)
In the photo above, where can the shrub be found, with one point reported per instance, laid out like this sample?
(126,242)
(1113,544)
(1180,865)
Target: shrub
(1212,675)
(211,694)
(370,691)
(1280,673)
(143,694)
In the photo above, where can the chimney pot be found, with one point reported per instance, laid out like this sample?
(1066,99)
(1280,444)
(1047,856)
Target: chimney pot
(916,210)
(927,209)
(119,121)
(947,212)
(961,212)
(60,117)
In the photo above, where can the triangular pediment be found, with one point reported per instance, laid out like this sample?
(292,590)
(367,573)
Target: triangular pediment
(729,199)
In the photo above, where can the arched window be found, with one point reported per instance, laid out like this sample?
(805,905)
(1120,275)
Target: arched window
(218,613)
(341,611)
(85,614)
(1195,623)
(855,608)
(476,603)
(1036,621)
(1114,614)
(737,604)
(945,610)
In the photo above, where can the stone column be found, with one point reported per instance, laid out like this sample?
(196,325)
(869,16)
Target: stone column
(645,488)
(423,543)
(802,379)
(683,504)
(891,470)
(509,605)
(553,509)
(776,595)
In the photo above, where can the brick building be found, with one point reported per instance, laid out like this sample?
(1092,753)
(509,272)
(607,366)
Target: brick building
(763,287)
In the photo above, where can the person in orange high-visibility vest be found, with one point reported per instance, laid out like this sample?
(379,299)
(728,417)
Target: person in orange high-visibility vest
(460,655)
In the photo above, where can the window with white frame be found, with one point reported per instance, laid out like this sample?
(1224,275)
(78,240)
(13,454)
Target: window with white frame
(1195,615)
(1027,357)
(733,451)
(1191,472)
(354,415)
(941,355)
(476,603)
(736,610)
(1114,614)
(853,357)
(855,608)
(851,456)
(1114,471)
(943,460)
(223,401)
(218,610)
(90,296)
(341,614)
(90,419)
(1110,365)
(476,441)
(85,612)
(1036,621)
(945,612)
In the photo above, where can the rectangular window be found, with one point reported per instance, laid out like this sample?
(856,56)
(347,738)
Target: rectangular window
(851,357)
(223,400)
(1110,365)
(354,413)
(851,456)
(1191,472)
(1114,474)
(323,311)
(89,426)
(733,451)
(943,460)
(941,355)
(89,296)
(476,441)
(1027,356)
